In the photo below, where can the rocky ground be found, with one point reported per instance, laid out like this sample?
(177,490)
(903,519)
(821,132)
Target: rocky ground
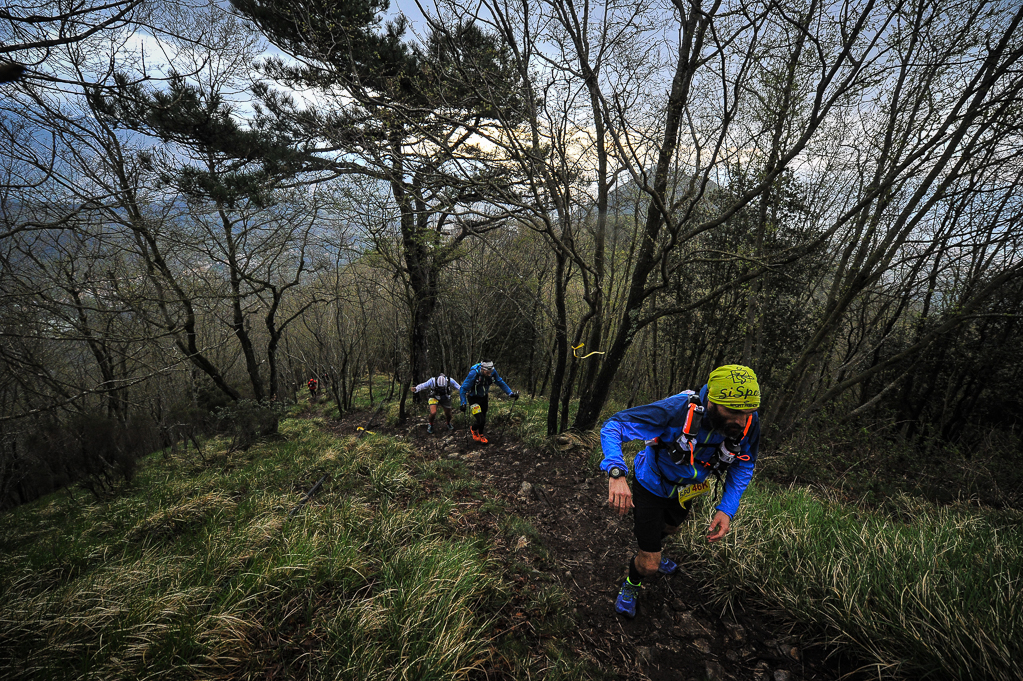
(587,548)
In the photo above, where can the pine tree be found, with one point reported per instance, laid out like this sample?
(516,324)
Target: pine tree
(409,113)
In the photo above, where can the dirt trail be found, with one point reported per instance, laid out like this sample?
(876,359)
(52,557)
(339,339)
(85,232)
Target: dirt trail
(674,635)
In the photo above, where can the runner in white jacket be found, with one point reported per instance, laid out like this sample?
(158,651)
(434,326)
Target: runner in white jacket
(440,389)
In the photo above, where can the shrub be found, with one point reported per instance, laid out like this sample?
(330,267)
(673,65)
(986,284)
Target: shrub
(246,421)
(94,450)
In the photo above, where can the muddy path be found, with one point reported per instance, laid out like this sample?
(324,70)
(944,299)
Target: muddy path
(586,549)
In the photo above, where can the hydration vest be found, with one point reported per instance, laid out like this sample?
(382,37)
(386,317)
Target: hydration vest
(482,380)
(437,391)
(725,452)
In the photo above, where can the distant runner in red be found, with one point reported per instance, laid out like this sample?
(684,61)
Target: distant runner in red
(313,385)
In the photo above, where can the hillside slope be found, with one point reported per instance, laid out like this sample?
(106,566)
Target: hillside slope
(570,539)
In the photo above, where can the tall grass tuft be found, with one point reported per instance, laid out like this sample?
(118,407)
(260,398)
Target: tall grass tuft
(200,570)
(418,622)
(920,591)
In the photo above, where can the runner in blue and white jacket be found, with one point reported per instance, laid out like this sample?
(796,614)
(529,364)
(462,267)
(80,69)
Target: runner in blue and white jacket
(723,439)
(440,389)
(475,393)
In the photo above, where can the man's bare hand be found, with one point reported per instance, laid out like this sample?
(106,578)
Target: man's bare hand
(718,526)
(619,496)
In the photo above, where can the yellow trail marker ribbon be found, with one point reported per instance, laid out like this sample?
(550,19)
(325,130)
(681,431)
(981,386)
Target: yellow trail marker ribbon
(577,355)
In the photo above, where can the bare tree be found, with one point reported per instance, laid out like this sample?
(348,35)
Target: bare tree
(29,32)
(939,140)
(754,90)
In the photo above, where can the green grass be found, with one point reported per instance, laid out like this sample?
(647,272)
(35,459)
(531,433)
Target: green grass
(198,569)
(918,591)
(201,571)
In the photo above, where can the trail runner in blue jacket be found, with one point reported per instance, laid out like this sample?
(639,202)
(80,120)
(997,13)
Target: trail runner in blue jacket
(474,393)
(690,437)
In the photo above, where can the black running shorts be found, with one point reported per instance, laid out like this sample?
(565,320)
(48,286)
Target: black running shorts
(652,513)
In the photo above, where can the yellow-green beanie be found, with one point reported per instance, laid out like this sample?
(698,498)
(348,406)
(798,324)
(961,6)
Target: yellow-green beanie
(734,386)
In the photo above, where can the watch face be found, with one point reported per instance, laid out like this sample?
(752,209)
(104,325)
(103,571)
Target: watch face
(616,472)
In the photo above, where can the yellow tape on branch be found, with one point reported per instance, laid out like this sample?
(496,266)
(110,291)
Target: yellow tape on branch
(577,356)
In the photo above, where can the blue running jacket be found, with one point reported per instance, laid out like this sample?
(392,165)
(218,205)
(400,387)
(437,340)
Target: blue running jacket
(477,384)
(656,471)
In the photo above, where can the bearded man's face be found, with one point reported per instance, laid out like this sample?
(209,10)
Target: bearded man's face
(730,422)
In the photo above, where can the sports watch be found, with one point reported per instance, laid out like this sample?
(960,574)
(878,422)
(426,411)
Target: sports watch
(616,472)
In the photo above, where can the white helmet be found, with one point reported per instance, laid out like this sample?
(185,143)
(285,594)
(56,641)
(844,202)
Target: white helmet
(486,365)
(442,380)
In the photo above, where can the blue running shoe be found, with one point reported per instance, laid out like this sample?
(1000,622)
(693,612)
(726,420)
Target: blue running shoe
(429,429)
(626,603)
(450,427)
(667,566)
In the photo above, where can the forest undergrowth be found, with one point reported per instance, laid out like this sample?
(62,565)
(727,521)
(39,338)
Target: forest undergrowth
(212,567)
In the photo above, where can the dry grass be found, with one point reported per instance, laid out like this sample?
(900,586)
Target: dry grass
(200,572)
(919,591)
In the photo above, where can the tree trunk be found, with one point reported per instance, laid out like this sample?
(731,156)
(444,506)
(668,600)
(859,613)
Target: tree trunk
(560,344)
(591,403)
